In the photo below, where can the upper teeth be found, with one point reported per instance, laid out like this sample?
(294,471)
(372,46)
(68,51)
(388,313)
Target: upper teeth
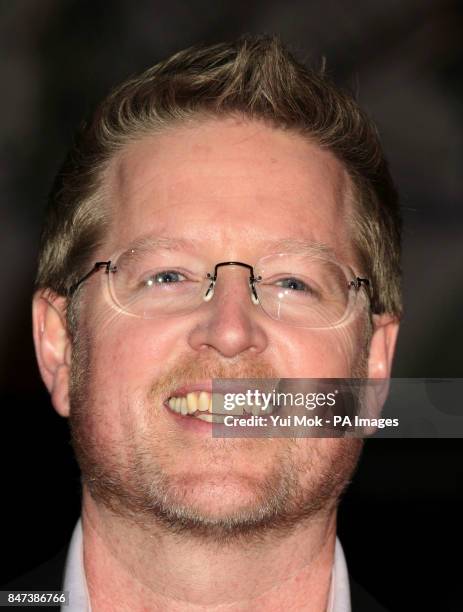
(205,402)
(192,402)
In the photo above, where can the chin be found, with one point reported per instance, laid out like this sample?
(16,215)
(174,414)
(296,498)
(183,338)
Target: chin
(216,497)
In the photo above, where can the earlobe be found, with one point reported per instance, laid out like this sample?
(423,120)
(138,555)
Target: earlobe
(52,346)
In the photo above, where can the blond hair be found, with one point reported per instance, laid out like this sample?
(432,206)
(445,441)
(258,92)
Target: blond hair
(257,78)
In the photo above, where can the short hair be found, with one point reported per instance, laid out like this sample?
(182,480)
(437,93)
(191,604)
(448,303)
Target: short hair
(255,77)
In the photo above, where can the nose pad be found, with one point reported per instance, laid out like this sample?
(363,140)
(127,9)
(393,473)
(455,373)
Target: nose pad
(254,296)
(207,297)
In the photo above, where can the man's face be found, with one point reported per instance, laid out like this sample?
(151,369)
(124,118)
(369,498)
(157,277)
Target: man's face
(234,190)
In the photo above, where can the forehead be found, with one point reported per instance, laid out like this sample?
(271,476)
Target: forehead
(231,187)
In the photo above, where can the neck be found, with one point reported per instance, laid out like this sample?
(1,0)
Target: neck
(140,569)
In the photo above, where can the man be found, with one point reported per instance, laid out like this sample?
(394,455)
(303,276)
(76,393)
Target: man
(234,155)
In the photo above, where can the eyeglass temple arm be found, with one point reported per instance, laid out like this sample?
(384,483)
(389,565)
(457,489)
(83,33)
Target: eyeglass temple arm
(358,282)
(99,264)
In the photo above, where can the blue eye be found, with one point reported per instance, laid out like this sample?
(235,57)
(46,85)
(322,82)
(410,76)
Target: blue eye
(294,284)
(165,277)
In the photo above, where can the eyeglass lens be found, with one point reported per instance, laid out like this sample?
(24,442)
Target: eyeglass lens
(298,289)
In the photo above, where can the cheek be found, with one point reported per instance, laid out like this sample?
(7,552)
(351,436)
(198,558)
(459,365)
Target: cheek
(129,355)
(126,357)
(318,353)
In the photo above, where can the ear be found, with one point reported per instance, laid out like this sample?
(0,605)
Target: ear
(52,346)
(381,354)
(382,346)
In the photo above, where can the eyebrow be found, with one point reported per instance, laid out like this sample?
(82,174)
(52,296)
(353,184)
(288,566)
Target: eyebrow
(305,247)
(150,241)
(287,245)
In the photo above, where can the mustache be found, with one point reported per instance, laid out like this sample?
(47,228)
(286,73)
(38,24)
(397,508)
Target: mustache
(190,370)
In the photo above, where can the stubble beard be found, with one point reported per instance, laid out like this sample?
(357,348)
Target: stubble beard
(145,494)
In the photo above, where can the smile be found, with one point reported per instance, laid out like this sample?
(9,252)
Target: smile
(210,407)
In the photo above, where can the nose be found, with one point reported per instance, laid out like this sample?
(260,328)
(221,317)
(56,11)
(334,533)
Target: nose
(230,323)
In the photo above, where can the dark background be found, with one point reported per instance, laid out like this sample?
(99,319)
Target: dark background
(400,522)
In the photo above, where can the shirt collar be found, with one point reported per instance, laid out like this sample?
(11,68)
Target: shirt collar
(79,601)
(339,598)
(74,574)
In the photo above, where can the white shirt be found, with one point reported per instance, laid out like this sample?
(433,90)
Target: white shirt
(79,600)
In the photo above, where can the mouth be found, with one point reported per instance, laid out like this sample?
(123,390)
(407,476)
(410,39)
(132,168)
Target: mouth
(199,402)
